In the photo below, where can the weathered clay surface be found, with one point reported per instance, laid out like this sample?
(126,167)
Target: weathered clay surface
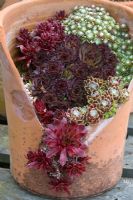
(20,107)
(9,190)
(128,162)
(3,4)
(128,3)
(87,185)
(25,132)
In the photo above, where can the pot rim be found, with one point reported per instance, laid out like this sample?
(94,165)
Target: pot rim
(128,3)
(17,5)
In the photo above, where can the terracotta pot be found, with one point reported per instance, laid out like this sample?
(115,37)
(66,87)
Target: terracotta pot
(3,4)
(106,141)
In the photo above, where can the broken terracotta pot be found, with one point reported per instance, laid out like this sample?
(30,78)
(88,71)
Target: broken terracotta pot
(4,4)
(106,140)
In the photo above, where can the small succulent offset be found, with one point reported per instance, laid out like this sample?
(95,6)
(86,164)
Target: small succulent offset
(44,38)
(77,114)
(94,114)
(76,69)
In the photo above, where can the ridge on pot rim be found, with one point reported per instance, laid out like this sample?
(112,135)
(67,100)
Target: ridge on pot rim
(24,127)
(126,3)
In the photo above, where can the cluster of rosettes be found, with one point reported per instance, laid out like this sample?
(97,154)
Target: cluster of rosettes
(95,25)
(43,38)
(72,82)
(103,97)
(57,76)
(61,153)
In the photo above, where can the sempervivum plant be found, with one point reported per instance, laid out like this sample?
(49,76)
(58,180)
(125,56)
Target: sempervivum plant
(95,25)
(73,67)
(45,37)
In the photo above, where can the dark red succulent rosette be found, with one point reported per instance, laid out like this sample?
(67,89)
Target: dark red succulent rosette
(44,38)
(38,160)
(57,66)
(61,15)
(100,60)
(61,153)
(65,140)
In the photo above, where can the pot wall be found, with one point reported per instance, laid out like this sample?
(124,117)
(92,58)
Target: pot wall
(3,4)
(106,149)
